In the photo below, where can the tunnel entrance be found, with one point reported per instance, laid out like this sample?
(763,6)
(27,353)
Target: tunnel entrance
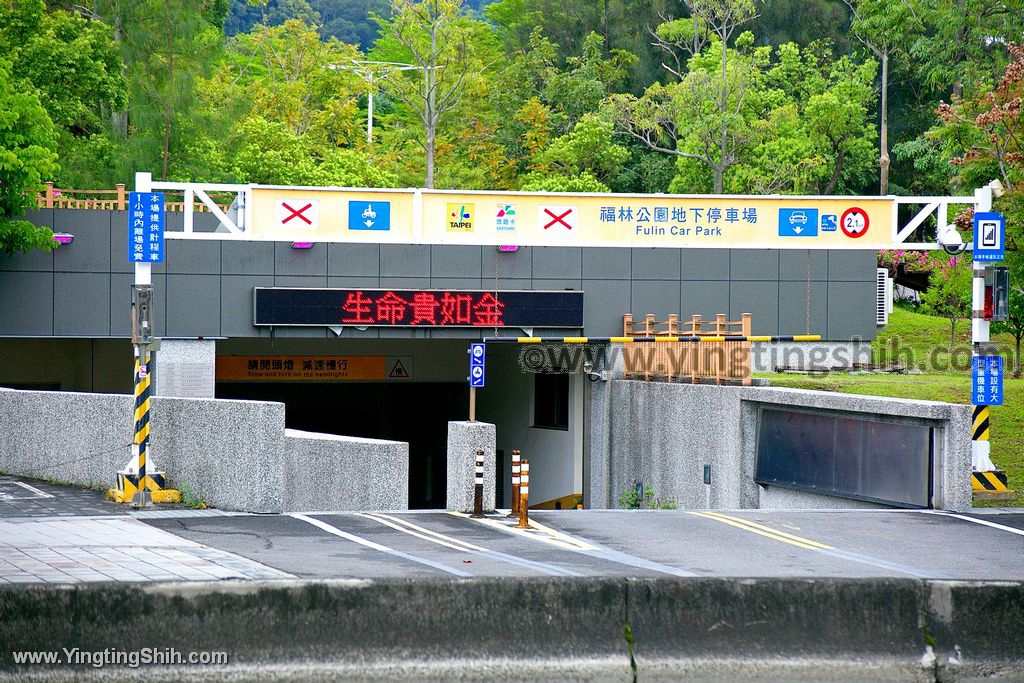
(415,412)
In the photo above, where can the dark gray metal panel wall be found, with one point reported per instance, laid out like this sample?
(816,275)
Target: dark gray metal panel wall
(206,287)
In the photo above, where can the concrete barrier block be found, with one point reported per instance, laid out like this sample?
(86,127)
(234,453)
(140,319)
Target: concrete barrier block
(464,438)
(768,618)
(491,622)
(329,472)
(230,453)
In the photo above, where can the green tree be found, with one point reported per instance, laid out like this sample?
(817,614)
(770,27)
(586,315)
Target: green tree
(166,46)
(433,36)
(586,158)
(886,28)
(949,291)
(1015,324)
(963,41)
(27,158)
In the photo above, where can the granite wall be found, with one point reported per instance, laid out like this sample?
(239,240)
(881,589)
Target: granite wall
(330,472)
(464,438)
(232,454)
(664,434)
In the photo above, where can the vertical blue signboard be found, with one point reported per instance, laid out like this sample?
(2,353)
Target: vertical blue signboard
(987,380)
(989,236)
(145,227)
(476,365)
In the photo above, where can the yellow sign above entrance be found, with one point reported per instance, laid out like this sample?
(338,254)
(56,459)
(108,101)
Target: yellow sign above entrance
(313,368)
(582,220)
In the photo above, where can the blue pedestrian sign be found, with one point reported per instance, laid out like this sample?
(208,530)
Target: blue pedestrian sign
(987,380)
(145,227)
(369,215)
(798,222)
(476,365)
(989,236)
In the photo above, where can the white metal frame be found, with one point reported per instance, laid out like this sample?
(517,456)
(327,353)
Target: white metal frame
(239,230)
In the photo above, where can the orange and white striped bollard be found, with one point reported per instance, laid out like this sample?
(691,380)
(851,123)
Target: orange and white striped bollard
(524,495)
(515,484)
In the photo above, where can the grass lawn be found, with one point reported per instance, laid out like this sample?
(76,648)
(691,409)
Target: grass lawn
(924,334)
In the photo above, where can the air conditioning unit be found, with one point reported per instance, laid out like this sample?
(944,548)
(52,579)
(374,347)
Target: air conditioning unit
(883,296)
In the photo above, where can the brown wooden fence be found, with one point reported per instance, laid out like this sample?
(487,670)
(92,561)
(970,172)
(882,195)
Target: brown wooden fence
(710,358)
(117,199)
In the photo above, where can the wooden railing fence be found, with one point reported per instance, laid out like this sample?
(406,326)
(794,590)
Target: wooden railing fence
(709,358)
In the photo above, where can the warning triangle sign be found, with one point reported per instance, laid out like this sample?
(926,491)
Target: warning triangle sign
(398,370)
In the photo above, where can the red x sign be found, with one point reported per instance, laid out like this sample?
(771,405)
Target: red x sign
(296,213)
(560,218)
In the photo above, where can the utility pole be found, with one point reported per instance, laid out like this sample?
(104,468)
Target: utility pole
(368,71)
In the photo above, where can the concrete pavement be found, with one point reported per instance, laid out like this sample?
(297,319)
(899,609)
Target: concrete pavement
(583,595)
(57,534)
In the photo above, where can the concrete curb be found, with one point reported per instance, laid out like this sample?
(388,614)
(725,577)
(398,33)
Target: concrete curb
(508,628)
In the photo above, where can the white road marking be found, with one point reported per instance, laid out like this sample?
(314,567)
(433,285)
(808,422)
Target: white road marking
(377,546)
(408,527)
(984,522)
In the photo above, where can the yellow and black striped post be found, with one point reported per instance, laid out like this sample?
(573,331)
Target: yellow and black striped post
(140,482)
(142,382)
(992,483)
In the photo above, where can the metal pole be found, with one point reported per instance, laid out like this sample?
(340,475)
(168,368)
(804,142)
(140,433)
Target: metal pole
(143,276)
(478,489)
(369,112)
(472,404)
(515,484)
(524,496)
(981,449)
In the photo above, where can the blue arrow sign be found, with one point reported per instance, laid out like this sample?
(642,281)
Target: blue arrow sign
(798,222)
(369,215)
(477,362)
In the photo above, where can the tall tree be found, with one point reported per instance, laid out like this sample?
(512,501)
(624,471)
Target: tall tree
(711,102)
(432,37)
(885,27)
(27,157)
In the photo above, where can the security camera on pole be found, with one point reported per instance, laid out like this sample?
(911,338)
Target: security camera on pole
(140,483)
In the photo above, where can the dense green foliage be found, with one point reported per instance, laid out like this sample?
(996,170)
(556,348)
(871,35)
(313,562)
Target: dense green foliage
(740,96)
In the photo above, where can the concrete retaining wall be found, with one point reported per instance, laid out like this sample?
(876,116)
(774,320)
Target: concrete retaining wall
(537,629)
(663,434)
(232,454)
(328,472)
(464,438)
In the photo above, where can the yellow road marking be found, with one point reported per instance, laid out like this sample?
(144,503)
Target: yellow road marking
(761,530)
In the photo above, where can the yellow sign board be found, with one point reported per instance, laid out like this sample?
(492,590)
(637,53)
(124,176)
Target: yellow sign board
(561,219)
(312,368)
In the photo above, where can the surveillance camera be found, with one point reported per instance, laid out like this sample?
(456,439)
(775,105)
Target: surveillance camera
(997,188)
(951,241)
(588,367)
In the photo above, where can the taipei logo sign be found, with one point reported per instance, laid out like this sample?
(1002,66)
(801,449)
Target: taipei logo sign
(460,217)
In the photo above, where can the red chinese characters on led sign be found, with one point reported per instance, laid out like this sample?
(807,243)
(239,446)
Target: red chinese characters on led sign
(433,309)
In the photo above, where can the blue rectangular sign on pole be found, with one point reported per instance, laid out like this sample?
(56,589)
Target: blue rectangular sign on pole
(989,236)
(476,365)
(987,380)
(145,227)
